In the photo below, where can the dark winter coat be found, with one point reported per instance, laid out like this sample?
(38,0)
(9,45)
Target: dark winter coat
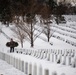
(12,44)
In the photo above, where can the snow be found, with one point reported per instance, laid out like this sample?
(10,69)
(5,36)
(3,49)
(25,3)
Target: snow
(68,70)
(39,43)
(7,69)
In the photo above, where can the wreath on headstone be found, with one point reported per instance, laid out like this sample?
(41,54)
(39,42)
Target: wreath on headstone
(14,45)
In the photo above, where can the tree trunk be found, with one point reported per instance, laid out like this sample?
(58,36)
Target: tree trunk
(22,44)
(32,42)
(48,31)
(48,35)
(48,38)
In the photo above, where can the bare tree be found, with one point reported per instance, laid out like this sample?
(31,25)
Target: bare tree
(31,21)
(18,32)
(46,17)
(28,28)
(47,30)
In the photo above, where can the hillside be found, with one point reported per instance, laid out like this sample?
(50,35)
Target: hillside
(63,37)
(45,55)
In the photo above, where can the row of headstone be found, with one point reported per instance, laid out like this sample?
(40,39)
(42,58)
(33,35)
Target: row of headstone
(72,36)
(64,34)
(2,56)
(71,31)
(60,38)
(33,69)
(71,42)
(64,40)
(44,52)
(65,57)
(25,67)
(70,27)
(36,52)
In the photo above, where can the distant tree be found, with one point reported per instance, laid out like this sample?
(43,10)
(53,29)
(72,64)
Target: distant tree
(59,11)
(5,12)
(70,9)
(28,22)
(30,19)
(74,10)
(28,29)
(52,4)
(19,34)
(45,17)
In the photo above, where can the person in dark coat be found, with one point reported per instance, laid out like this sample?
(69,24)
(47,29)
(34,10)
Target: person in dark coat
(12,45)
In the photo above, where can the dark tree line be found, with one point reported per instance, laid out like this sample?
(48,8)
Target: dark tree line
(12,10)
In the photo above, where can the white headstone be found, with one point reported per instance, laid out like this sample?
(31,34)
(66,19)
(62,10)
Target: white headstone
(46,72)
(73,62)
(17,63)
(30,69)
(40,70)
(35,70)
(54,73)
(22,66)
(68,60)
(26,68)
(48,56)
(63,60)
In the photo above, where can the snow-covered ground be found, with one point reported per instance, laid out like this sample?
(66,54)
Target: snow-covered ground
(39,43)
(6,69)
(64,31)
